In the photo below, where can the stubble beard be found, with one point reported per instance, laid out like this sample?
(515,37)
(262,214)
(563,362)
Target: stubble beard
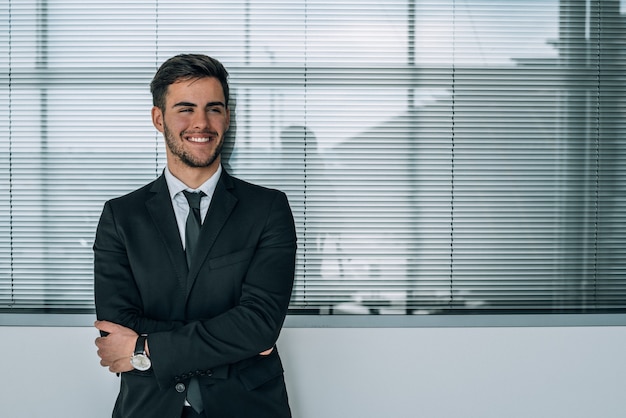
(187,158)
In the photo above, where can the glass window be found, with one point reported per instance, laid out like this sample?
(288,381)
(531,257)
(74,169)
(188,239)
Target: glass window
(439,156)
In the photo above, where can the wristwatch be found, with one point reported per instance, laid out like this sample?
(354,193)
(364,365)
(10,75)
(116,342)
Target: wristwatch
(140,359)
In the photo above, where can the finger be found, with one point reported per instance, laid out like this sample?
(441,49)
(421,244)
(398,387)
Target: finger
(99,341)
(106,326)
(267,352)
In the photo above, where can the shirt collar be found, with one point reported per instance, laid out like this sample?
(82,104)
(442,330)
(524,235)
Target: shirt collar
(176,186)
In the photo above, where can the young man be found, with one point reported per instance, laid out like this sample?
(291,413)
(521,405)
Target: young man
(185,331)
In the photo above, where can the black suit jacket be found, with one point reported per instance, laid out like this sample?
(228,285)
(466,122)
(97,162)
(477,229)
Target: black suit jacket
(208,321)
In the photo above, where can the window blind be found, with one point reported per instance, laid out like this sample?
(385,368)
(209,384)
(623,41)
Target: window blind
(439,156)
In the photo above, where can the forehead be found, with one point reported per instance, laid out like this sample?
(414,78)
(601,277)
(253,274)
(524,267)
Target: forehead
(195,90)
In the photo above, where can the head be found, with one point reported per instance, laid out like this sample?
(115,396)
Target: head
(186,67)
(190,96)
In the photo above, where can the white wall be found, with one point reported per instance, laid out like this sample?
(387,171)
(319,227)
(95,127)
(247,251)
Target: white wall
(491,372)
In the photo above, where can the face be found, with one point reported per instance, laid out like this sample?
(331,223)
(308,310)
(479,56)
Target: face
(194,123)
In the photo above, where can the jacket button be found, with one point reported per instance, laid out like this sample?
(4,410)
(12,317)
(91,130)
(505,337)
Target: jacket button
(180,387)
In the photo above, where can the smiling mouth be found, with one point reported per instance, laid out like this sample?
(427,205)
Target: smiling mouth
(198,139)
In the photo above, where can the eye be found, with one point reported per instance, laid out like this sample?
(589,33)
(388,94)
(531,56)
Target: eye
(217,110)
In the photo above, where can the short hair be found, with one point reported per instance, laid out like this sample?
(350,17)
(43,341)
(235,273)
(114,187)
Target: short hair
(186,67)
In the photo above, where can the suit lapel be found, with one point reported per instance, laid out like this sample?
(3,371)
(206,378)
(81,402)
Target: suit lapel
(160,208)
(222,204)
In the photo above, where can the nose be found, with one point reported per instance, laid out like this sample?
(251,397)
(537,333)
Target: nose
(200,120)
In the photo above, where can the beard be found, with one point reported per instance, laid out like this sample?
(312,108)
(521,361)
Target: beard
(187,158)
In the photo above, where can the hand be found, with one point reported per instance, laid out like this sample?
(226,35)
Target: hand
(267,352)
(116,349)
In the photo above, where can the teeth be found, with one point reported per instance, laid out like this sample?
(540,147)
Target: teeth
(199,139)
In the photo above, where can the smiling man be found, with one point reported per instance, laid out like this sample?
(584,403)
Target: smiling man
(194,271)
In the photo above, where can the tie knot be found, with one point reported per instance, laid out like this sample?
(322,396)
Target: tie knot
(193,198)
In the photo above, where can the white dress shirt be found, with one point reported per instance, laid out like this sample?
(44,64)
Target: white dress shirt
(179,202)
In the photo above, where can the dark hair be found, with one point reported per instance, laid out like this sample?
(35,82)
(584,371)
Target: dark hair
(186,67)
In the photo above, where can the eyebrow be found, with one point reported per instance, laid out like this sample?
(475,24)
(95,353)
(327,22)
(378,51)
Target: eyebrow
(189,104)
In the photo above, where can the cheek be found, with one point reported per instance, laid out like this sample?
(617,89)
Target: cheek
(220,125)
(176,125)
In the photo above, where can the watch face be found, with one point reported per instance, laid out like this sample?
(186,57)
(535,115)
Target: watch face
(141,362)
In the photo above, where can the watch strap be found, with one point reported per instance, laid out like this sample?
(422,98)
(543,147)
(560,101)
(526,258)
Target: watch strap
(140,346)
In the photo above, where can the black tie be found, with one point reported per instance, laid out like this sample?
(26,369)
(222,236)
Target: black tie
(192,227)
(192,232)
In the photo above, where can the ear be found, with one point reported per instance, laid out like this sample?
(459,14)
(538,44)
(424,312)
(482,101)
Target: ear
(157,119)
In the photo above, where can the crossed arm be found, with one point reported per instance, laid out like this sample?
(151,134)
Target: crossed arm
(118,346)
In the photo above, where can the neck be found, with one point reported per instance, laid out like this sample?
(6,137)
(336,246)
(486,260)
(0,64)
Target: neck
(193,177)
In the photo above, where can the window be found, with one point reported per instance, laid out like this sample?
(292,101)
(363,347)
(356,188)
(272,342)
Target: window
(440,156)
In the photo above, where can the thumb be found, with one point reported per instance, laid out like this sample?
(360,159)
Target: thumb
(106,326)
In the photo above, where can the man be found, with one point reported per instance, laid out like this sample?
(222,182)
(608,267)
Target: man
(194,328)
